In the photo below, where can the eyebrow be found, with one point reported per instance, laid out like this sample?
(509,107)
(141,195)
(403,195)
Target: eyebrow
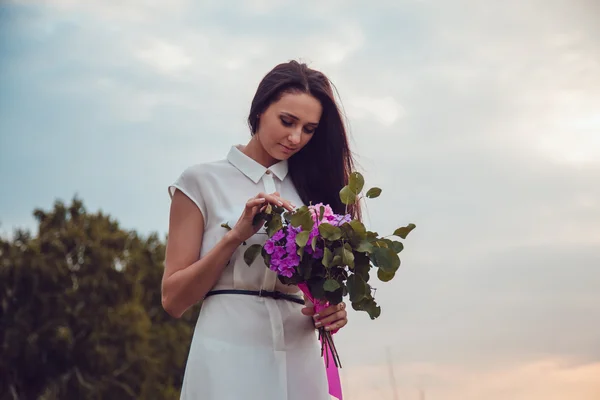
(296,118)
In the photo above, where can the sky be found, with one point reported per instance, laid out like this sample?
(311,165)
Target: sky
(480,120)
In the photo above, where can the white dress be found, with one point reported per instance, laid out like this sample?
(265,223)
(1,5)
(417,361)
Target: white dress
(247,347)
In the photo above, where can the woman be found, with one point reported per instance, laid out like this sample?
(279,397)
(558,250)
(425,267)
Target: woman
(254,339)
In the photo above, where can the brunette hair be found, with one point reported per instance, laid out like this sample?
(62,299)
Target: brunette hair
(321,169)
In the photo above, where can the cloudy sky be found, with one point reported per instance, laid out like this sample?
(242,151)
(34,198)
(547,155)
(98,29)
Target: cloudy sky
(479,119)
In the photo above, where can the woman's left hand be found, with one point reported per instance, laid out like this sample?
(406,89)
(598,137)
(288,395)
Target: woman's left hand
(332,317)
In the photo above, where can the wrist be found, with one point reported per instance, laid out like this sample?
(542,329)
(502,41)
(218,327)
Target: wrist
(231,238)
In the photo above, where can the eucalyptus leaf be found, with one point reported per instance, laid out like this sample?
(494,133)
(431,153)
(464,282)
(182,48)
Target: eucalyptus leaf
(274,225)
(331,285)
(327,257)
(347,196)
(302,238)
(251,253)
(404,231)
(385,276)
(365,247)
(335,297)
(357,288)
(302,217)
(348,256)
(362,266)
(373,193)
(356,182)
(314,243)
(330,232)
(385,258)
(337,261)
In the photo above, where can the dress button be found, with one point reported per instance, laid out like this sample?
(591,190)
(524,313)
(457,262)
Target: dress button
(268,172)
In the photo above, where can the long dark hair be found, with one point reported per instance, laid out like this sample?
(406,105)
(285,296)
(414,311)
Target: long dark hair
(321,169)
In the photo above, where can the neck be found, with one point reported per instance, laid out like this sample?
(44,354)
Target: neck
(255,151)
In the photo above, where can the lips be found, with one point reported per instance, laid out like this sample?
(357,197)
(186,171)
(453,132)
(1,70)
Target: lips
(286,149)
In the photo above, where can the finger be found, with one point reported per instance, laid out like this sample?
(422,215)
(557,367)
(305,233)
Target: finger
(330,310)
(337,325)
(308,311)
(339,315)
(250,204)
(276,199)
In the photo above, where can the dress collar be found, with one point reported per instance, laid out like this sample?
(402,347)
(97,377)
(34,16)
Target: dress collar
(251,168)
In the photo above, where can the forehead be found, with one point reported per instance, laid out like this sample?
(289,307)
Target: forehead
(301,105)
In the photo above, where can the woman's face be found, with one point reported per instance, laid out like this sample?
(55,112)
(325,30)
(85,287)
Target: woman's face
(288,124)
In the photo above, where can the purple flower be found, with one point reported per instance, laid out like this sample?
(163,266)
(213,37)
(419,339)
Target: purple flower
(270,246)
(279,252)
(278,236)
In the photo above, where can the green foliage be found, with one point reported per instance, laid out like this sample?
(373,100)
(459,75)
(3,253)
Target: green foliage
(81,314)
(350,251)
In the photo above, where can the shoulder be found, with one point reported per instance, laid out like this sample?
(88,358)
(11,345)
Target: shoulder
(205,170)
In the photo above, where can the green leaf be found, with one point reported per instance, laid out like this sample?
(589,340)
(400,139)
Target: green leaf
(356,182)
(372,235)
(315,285)
(335,297)
(330,232)
(287,216)
(357,288)
(274,225)
(327,257)
(359,228)
(302,217)
(397,246)
(385,276)
(364,247)
(321,213)
(337,261)
(385,259)
(348,256)
(404,231)
(373,193)
(369,305)
(259,218)
(373,309)
(347,196)
(314,243)
(331,285)
(302,238)
(362,266)
(251,253)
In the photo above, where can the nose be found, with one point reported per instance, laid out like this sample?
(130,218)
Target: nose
(295,136)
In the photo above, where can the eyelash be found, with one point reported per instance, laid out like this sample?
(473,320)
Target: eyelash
(288,124)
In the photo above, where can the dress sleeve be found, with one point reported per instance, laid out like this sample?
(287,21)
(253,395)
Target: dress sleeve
(189,183)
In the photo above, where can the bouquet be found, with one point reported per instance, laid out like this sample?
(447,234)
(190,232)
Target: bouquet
(329,256)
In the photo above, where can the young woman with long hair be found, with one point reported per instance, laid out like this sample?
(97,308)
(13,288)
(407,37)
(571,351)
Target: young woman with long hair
(255,338)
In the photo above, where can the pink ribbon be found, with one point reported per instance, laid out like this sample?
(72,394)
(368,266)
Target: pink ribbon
(333,376)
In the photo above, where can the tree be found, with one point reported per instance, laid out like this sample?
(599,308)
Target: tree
(80,312)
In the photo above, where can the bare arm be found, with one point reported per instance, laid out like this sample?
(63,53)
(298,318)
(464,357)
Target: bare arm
(186,280)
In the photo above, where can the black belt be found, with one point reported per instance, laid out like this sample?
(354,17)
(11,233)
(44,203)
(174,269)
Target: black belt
(259,293)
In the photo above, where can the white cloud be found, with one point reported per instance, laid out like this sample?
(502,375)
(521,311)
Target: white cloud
(385,110)
(165,57)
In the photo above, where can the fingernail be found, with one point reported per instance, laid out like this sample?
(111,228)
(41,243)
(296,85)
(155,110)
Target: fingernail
(328,328)
(280,202)
(318,324)
(316,316)
(262,200)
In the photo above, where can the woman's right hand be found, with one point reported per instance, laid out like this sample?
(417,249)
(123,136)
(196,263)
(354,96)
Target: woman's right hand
(244,228)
